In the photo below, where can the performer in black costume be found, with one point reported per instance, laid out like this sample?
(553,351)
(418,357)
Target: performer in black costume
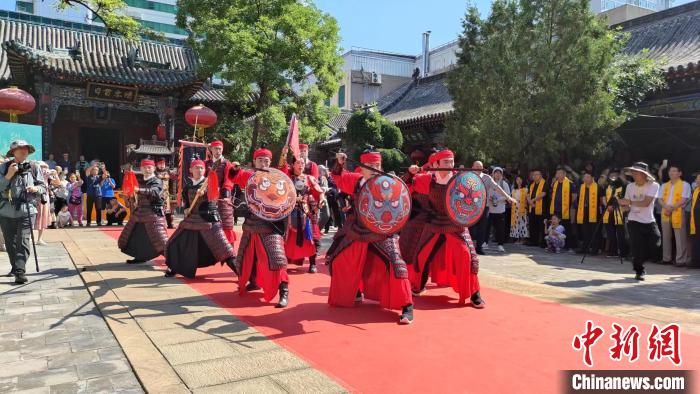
(145,236)
(199,240)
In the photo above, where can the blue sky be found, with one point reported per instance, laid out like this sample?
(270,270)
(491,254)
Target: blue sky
(397,25)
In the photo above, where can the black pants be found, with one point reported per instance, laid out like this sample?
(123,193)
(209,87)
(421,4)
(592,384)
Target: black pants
(616,238)
(497,222)
(16,232)
(590,238)
(118,219)
(645,241)
(97,202)
(478,230)
(536,225)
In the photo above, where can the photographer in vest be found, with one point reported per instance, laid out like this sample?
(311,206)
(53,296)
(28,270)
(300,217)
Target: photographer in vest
(21,184)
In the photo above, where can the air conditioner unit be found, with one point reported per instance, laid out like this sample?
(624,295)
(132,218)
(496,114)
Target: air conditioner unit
(376,79)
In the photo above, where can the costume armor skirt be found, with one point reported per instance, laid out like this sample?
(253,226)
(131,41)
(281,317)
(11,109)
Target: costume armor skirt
(263,252)
(196,243)
(144,236)
(446,259)
(225,208)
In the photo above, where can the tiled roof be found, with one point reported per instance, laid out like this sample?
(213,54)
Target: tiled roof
(671,36)
(340,121)
(74,55)
(208,95)
(422,99)
(153,149)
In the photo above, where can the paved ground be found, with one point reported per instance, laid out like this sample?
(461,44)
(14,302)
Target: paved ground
(52,336)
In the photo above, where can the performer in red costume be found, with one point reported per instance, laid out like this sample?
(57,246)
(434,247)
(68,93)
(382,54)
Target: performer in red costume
(310,167)
(412,231)
(363,263)
(224,169)
(303,234)
(261,261)
(445,252)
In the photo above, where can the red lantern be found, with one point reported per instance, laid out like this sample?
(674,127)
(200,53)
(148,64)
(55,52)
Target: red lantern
(160,132)
(200,117)
(417,156)
(15,102)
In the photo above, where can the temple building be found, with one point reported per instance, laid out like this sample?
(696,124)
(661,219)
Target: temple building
(97,94)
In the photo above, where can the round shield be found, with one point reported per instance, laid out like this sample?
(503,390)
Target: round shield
(383,204)
(270,194)
(465,199)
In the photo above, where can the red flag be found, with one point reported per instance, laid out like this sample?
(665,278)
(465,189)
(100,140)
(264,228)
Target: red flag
(293,137)
(129,183)
(213,186)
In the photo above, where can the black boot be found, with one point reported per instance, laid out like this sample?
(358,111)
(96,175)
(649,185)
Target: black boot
(135,261)
(639,276)
(312,265)
(359,297)
(406,315)
(20,278)
(252,286)
(231,263)
(169,273)
(284,295)
(477,301)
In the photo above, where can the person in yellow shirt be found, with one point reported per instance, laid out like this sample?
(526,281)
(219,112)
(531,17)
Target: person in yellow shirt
(695,224)
(588,215)
(613,216)
(673,197)
(563,194)
(536,203)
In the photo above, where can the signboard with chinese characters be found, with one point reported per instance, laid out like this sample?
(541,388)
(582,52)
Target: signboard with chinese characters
(122,94)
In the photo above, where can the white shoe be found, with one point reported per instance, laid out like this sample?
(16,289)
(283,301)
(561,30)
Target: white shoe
(500,249)
(484,246)
(41,242)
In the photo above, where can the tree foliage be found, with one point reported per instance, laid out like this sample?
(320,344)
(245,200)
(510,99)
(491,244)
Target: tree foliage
(371,128)
(110,12)
(265,49)
(541,81)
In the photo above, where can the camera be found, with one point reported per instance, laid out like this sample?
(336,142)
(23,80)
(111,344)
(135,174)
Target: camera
(23,167)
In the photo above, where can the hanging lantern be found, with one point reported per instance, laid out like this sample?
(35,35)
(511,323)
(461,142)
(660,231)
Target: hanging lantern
(200,117)
(14,101)
(160,132)
(417,156)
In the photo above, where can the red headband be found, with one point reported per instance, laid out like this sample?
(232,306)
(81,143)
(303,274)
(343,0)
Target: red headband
(196,163)
(262,152)
(441,155)
(216,143)
(147,162)
(303,147)
(161,161)
(371,158)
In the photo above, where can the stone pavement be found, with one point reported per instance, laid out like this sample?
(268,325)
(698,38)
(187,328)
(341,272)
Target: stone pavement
(178,340)
(603,285)
(53,338)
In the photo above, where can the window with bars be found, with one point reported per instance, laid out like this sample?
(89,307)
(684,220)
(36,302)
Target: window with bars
(25,6)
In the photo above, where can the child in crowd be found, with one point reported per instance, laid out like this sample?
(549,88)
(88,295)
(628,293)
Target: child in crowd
(554,234)
(75,197)
(64,218)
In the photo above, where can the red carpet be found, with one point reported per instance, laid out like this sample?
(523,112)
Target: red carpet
(517,344)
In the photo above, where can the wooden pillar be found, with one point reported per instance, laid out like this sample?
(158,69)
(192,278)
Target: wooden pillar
(47,118)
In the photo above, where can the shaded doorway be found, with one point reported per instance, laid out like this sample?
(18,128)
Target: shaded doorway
(102,144)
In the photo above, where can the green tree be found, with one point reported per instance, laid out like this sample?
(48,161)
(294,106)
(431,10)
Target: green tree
(371,128)
(266,49)
(110,12)
(539,82)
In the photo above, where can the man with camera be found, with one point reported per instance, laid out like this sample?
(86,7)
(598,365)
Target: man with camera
(21,183)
